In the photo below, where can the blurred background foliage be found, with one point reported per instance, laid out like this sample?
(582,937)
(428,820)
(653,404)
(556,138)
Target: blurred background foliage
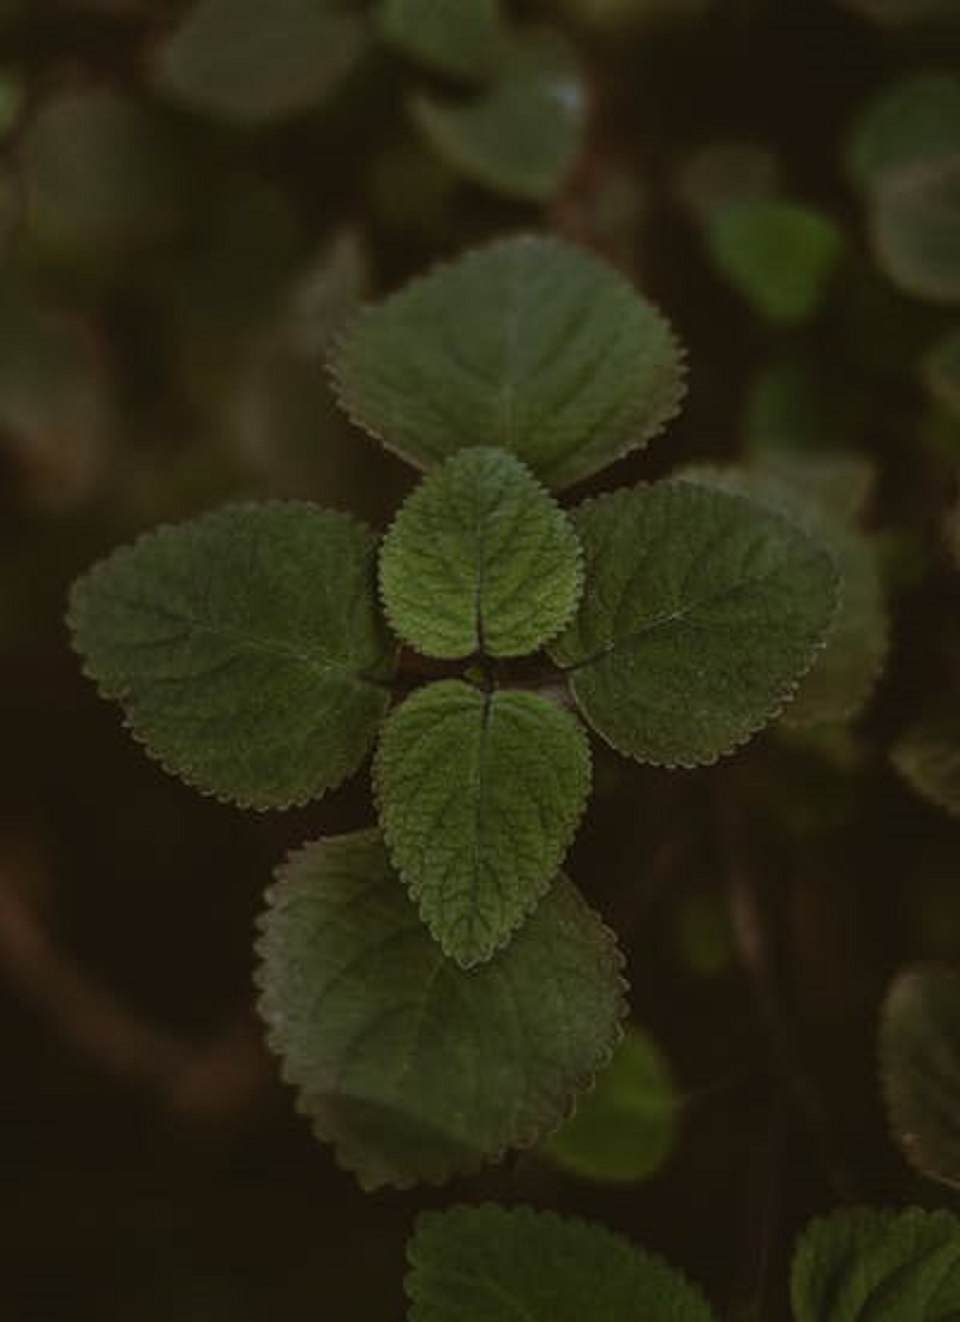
(193,198)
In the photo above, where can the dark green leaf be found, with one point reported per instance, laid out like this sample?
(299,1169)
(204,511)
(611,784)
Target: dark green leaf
(913,119)
(461,38)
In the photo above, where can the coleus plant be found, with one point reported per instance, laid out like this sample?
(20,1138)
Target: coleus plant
(438,991)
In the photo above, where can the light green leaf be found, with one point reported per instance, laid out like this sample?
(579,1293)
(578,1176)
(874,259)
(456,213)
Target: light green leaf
(941,371)
(927,755)
(480,795)
(915,228)
(868,1265)
(700,614)
(412,1068)
(625,1128)
(913,119)
(778,255)
(461,38)
(821,496)
(480,559)
(522,135)
(920,1069)
(530,345)
(245,648)
(248,62)
(491,1264)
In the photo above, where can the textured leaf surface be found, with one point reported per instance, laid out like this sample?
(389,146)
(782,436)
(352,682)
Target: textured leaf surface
(927,755)
(457,37)
(914,119)
(480,559)
(626,1126)
(248,62)
(868,1265)
(778,255)
(245,648)
(530,345)
(920,1068)
(915,223)
(822,496)
(491,1264)
(479,794)
(521,136)
(413,1068)
(700,614)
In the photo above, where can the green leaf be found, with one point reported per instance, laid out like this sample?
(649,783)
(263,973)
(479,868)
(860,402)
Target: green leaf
(412,1068)
(915,228)
(626,1127)
(778,255)
(927,755)
(821,496)
(530,345)
(941,371)
(522,135)
(491,1264)
(480,795)
(920,1069)
(867,1265)
(249,63)
(460,38)
(793,406)
(245,648)
(700,614)
(480,559)
(914,118)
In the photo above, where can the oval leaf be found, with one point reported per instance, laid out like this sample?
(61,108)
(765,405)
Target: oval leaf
(480,795)
(700,614)
(530,345)
(480,559)
(915,223)
(460,38)
(412,1068)
(867,1265)
(245,648)
(522,135)
(490,1264)
(920,1067)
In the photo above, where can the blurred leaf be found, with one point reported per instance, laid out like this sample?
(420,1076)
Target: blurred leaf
(915,228)
(625,1128)
(700,614)
(12,97)
(480,558)
(522,135)
(251,63)
(324,294)
(245,648)
(927,755)
(720,173)
(920,1069)
(528,344)
(866,1265)
(791,405)
(912,119)
(491,1264)
(941,371)
(461,38)
(402,1060)
(479,796)
(703,934)
(780,256)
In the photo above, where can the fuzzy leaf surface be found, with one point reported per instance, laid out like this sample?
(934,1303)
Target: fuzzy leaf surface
(246,648)
(863,1264)
(460,38)
(700,614)
(479,796)
(480,559)
(247,62)
(521,135)
(494,1264)
(530,345)
(414,1069)
(920,1068)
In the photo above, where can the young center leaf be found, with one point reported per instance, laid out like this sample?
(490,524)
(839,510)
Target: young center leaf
(480,559)
(920,1068)
(414,1069)
(246,648)
(491,1264)
(479,797)
(530,345)
(459,38)
(864,1264)
(700,614)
